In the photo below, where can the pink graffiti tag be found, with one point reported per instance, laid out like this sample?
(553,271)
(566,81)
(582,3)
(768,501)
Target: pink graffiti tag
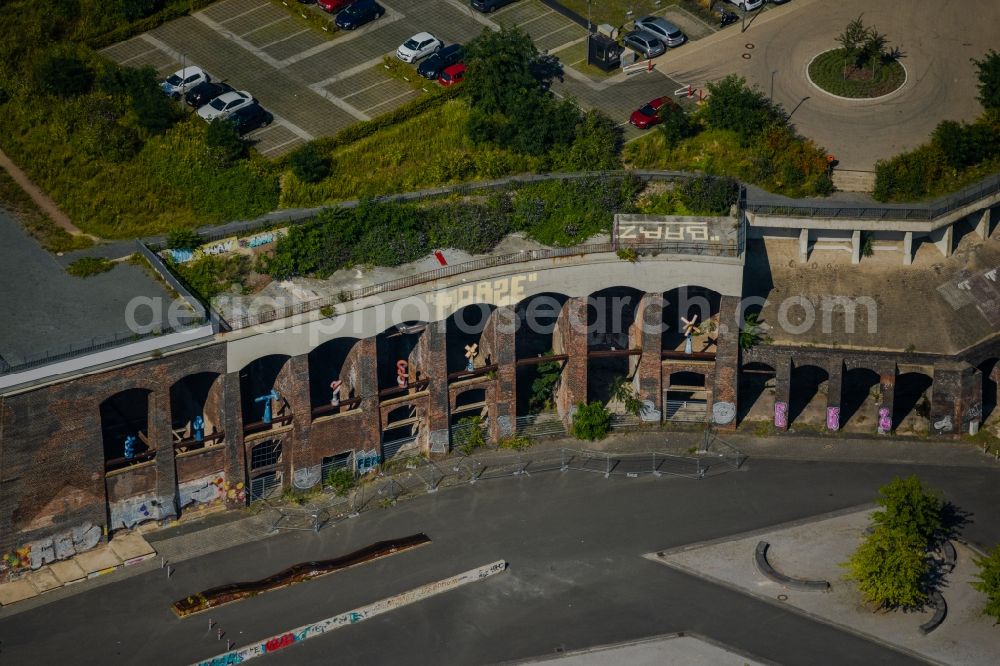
(833,418)
(884,421)
(781,415)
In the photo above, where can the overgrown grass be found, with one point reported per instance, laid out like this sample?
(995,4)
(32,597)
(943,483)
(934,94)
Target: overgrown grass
(89,266)
(779,163)
(428,150)
(41,227)
(210,276)
(827,72)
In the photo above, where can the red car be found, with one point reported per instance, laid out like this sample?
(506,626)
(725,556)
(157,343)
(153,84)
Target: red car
(452,75)
(649,115)
(333,6)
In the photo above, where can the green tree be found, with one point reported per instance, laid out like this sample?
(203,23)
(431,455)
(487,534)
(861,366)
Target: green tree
(543,385)
(309,165)
(988,73)
(223,139)
(591,422)
(500,73)
(989,582)
(675,124)
(908,508)
(734,105)
(852,39)
(623,392)
(751,332)
(890,568)
(597,144)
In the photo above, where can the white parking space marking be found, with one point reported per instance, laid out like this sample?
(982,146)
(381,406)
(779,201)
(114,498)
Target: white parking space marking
(279,146)
(135,57)
(535,18)
(163,47)
(236,16)
(391,16)
(374,85)
(390,100)
(261,27)
(298,131)
(285,39)
(347,73)
(273,62)
(548,34)
(333,99)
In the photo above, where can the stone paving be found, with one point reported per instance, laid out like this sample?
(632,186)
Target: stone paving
(814,550)
(683,650)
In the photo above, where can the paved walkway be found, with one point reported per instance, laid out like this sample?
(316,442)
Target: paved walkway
(42,200)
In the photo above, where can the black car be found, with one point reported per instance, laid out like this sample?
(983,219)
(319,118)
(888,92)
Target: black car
(250,117)
(205,92)
(431,67)
(486,6)
(359,13)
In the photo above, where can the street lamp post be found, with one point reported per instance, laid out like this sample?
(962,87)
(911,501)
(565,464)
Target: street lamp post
(771,96)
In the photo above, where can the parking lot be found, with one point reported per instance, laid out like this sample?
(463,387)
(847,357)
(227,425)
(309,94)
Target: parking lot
(317,84)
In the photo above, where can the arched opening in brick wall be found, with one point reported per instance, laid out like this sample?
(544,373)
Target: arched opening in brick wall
(686,397)
(757,390)
(808,393)
(990,370)
(533,342)
(257,381)
(196,411)
(395,348)
(912,402)
(859,400)
(125,429)
(612,344)
(470,404)
(464,330)
(326,363)
(692,303)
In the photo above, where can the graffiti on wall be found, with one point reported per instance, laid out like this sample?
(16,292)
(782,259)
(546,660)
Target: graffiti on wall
(723,413)
(38,553)
(944,424)
(366,461)
(833,418)
(128,513)
(884,421)
(225,246)
(305,478)
(781,415)
(205,490)
(299,634)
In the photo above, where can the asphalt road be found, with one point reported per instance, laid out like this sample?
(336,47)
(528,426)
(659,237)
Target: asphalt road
(576,577)
(936,38)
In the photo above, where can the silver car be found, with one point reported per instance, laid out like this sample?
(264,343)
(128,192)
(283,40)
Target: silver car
(669,33)
(645,43)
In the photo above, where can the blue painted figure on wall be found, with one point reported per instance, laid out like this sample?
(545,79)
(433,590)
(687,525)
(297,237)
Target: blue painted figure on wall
(198,426)
(267,400)
(129,447)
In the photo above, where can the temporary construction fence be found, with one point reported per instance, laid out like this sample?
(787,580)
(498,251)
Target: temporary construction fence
(413,475)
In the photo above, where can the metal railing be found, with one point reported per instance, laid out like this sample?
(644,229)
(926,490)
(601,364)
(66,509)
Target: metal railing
(874,211)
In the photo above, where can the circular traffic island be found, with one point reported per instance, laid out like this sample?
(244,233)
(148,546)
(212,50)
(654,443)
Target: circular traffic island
(833,72)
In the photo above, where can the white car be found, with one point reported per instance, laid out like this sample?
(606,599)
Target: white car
(419,46)
(184,80)
(225,104)
(748,5)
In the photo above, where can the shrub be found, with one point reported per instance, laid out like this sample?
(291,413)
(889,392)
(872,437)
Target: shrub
(183,239)
(341,480)
(210,276)
(622,391)
(309,165)
(744,109)
(546,377)
(675,124)
(470,435)
(909,508)
(63,72)
(965,144)
(89,266)
(591,422)
(890,568)
(223,139)
(709,194)
(596,145)
(515,442)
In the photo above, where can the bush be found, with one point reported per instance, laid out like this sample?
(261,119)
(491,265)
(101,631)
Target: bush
(890,569)
(734,105)
(210,276)
(591,422)
(542,387)
(341,480)
(708,195)
(470,436)
(309,165)
(596,145)
(515,443)
(63,72)
(89,266)
(183,239)
(964,144)
(223,139)
(675,124)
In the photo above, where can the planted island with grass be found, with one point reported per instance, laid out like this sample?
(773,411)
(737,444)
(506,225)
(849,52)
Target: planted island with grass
(862,68)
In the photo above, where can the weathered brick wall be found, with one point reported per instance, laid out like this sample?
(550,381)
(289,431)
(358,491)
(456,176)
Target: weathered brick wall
(570,337)
(52,477)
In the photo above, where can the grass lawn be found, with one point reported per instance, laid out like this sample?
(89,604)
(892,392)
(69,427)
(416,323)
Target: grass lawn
(828,71)
(426,151)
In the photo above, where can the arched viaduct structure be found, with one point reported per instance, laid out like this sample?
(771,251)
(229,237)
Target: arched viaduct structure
(279,404)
